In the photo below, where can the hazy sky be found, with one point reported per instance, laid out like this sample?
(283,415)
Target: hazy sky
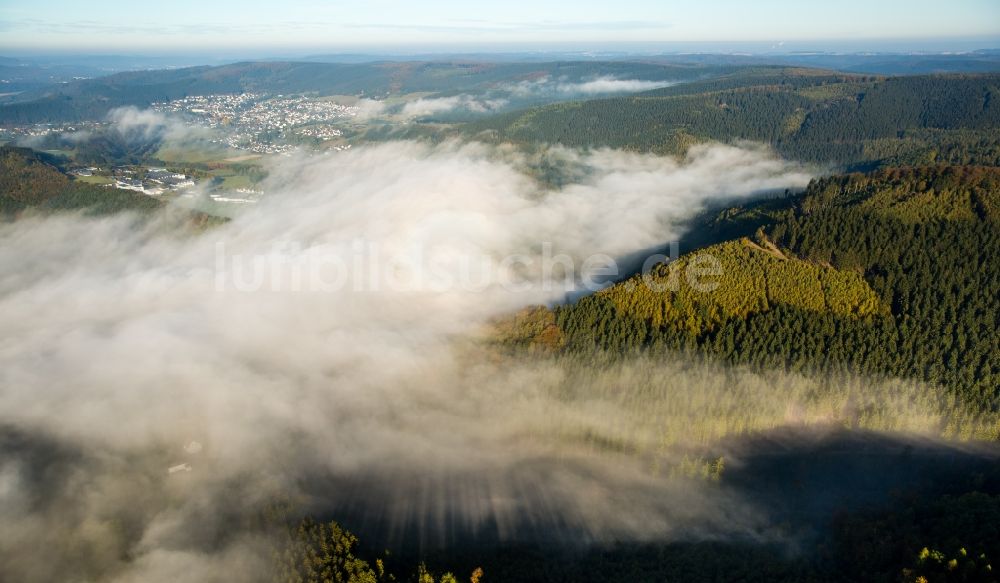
(228,24)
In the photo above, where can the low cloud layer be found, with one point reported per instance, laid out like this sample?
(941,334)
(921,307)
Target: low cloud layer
(136,125)
(368,108)
(123,346)
(543,89)
(436,105)
(127,129)
(588,87)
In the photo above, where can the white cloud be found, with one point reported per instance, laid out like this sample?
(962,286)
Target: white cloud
(369,108)
(435,105)
(612,85)
(563,88)
(545,88)
(146,124)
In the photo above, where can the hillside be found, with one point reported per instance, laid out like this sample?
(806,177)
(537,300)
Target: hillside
(28,177)
(891,273)
(913,195)
(30,180)
(743,278)
(856,121)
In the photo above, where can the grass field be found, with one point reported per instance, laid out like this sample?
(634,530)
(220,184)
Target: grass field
(192,155)
(232,181)
(94,179)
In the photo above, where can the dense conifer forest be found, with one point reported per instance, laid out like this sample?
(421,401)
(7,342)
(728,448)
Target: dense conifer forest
(853,121)
(891,273)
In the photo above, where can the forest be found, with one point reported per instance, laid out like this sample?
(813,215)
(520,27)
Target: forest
(891,273)
(854,121)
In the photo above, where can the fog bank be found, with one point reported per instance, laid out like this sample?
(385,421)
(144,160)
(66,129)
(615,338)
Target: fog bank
(154,387)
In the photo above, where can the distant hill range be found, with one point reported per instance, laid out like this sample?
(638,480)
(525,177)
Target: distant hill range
(44,93)
(92,99)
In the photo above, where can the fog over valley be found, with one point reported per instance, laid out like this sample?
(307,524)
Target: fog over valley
(386,293)
(333,380)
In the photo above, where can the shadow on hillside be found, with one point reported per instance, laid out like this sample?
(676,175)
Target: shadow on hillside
(782,489)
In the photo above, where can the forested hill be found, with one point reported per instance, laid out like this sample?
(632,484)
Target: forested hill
(893,273)
(855,121)
(31,180)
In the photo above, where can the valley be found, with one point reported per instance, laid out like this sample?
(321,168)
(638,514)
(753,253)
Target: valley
(685,317)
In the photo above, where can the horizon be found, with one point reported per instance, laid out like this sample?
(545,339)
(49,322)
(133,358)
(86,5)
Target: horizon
(303,28)
(606,51)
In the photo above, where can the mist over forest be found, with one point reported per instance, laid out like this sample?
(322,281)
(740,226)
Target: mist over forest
(499,315)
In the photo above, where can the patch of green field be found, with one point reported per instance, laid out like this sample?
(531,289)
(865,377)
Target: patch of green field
(174,155)
(234,181)
(94,179)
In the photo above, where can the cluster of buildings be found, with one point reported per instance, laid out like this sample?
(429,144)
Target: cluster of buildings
(17,133)
(154,182)
(168,178)
(248,121)
(321,132)
(262,124)
(215,110)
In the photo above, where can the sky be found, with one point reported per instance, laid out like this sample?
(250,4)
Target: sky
(183,25)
